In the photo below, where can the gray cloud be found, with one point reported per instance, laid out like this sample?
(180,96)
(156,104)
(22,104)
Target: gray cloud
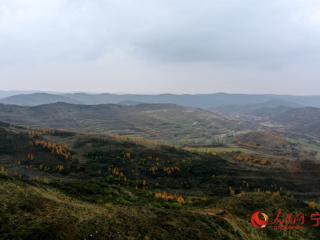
(136,40)
(174,30)
(281,32)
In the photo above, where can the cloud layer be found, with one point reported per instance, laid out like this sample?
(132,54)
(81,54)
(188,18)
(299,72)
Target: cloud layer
(211,42)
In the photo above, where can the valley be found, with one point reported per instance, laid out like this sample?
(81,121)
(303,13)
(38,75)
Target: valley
(101,181)
(163,166)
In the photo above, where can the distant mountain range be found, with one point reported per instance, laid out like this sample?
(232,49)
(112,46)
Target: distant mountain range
(206,101)
(167,117)
(36,99)
(5,94)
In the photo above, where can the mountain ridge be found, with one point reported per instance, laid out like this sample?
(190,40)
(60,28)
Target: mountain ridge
(206,101)
(167,122)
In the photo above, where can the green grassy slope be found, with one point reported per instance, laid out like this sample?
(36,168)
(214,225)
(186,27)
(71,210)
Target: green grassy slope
(36,212)
(62,185)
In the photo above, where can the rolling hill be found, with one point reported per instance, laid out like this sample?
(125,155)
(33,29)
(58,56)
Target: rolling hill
(163,122)
(255,110)
(278,115)
(302,120)
(62,185)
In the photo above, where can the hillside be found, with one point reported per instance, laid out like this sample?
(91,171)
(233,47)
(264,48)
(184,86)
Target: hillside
(288,118)
(163,122)
(302,120)
(275,144)
(62,185)
(51,153)
(255,110)
(43,213)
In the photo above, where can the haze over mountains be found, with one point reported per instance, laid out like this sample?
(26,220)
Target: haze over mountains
(167,117)
(207,101)
(160,120)
(87,165)
(5,94)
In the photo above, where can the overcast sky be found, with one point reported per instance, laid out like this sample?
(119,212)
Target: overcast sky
(157,46)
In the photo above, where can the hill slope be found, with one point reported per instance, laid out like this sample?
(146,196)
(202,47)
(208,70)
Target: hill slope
(163,122)
(302,120)
(62,185)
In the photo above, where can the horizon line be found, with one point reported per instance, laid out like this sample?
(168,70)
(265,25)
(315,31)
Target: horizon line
(26,92)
